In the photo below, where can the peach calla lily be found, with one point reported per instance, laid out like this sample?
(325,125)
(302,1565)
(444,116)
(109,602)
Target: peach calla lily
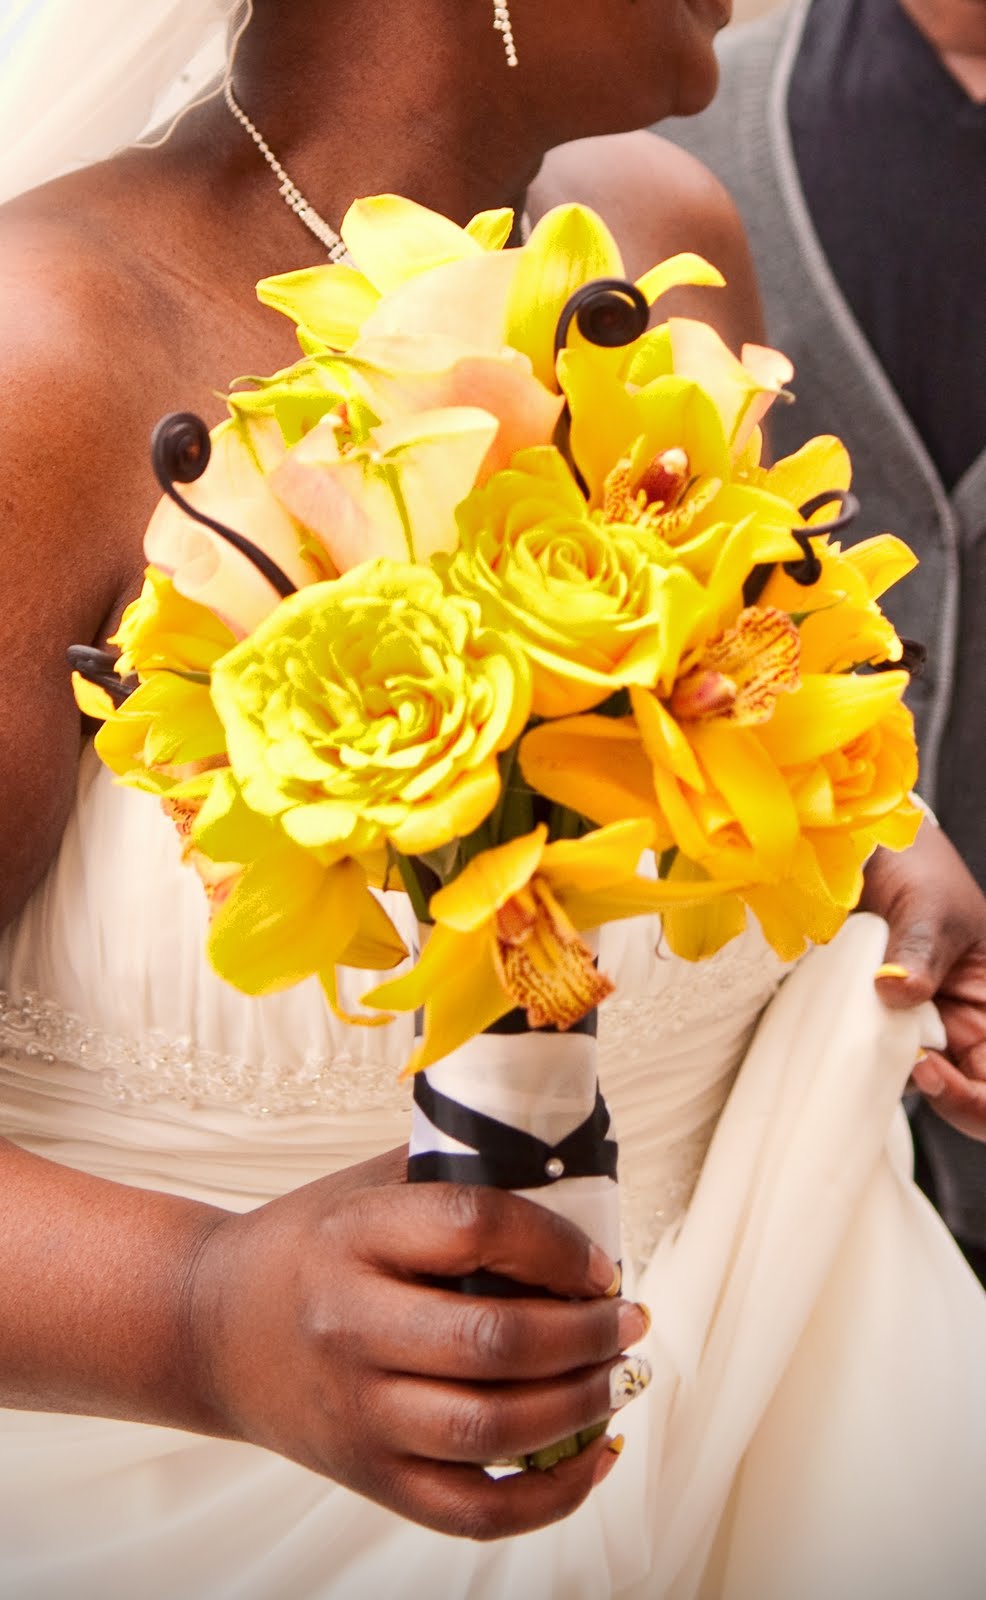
(235,490)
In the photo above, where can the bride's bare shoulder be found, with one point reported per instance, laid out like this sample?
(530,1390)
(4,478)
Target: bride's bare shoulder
(65,381)
(659,200)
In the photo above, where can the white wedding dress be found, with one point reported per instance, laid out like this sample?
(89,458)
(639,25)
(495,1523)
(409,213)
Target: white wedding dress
(816,1428)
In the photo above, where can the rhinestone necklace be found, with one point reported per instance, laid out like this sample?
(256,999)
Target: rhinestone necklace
(293,197)
(290,193)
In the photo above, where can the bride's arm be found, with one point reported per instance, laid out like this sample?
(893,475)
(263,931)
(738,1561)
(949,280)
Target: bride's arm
(309,1326)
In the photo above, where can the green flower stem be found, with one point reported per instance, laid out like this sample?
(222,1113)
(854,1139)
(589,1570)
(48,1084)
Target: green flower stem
(412,884)
(565,1449)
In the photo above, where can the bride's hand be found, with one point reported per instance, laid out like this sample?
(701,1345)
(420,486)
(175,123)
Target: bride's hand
(317,1334)
(937,917)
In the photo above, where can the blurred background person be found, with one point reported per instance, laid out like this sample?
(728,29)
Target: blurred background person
(852,136)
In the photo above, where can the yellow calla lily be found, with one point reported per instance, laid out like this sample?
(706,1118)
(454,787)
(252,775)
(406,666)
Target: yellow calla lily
(507,930)
(393,240)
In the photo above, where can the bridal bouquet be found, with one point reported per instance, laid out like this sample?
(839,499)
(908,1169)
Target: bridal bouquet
(486,597)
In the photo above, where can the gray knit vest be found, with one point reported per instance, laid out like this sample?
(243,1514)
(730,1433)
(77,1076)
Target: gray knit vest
(744,138)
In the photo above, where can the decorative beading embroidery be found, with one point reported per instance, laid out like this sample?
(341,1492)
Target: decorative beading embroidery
(138,1072)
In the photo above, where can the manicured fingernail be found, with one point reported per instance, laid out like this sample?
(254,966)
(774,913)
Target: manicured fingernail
(928,1080)
(604,1277)
(633,1322)
(607,1461)
(893,969)
(628,1380)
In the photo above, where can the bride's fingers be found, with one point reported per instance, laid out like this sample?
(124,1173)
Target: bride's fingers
(409,1328)
(955,1097)
(466,1502)
(452,1230)
(459,1422)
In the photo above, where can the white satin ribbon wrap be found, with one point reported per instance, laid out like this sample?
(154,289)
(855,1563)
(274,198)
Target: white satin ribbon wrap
(543,1084)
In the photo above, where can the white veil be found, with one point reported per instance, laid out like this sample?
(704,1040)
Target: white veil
(81,78)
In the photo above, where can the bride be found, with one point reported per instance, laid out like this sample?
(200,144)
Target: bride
(225,1372)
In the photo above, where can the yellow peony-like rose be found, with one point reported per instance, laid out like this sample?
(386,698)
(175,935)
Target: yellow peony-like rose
(584,602)
(372,708)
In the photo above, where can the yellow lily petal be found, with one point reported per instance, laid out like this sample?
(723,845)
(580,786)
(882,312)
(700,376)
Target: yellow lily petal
(91,700)
(568,248)
(828,712)
(791,919)
(596,765)
(698,931)
(455,980)
(491,229)
(392,240)
(749,781)
(608,856)
(678,272)
(821,464)
(329,303)
(639,897)
(466,301)
(664,741)
(472,898)
(881,562)
(286,918)
(743,390)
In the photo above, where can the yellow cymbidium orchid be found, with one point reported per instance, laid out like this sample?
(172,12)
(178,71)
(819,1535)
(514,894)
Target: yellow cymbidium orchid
(657,459)
(507,931)
(842,626)
(782,784)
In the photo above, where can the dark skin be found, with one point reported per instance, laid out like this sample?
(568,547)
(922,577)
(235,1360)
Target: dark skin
(957,29)
(127,291)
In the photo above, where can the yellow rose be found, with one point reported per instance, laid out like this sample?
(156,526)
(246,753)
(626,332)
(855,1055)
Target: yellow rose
(582,600)
(372,708)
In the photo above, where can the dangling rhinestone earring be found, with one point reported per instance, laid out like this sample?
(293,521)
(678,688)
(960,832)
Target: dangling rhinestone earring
(501,22)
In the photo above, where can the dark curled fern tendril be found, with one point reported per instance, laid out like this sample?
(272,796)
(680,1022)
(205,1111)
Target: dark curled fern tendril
(808,569)
(97,666)
(611,312)
(180,452)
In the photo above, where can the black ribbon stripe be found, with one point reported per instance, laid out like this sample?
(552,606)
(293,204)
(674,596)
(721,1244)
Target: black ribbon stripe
(507,1157)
